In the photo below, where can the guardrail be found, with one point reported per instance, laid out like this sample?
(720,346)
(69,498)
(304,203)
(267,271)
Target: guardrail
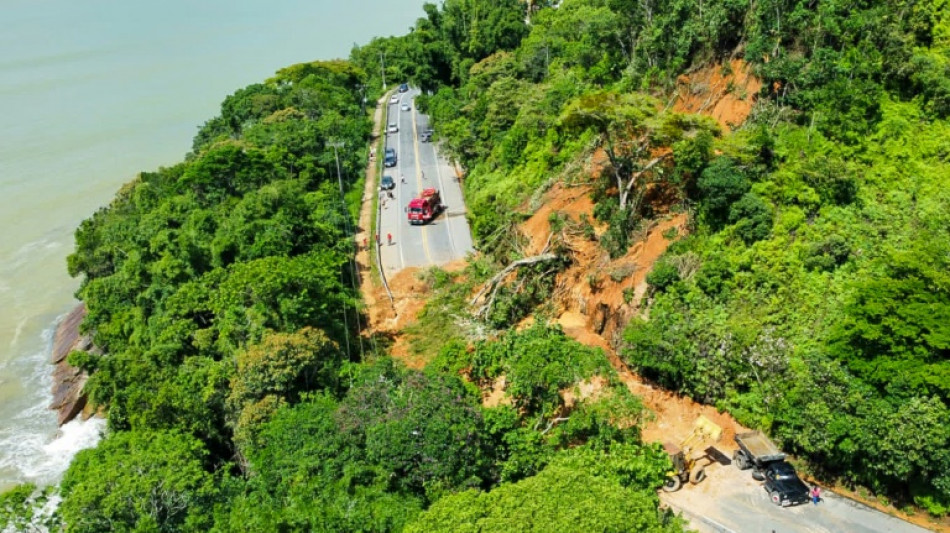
(384,101)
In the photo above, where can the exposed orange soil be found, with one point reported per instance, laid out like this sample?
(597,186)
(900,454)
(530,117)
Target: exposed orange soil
(594,313)
(726,97)
(389,319)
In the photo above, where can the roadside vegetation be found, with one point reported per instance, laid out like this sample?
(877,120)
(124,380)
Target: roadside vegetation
(810,298)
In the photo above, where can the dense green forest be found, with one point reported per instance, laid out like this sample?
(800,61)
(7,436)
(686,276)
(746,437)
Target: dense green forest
(811,298)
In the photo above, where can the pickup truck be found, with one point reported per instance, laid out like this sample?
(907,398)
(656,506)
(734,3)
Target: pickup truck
(768,464)
(783,485)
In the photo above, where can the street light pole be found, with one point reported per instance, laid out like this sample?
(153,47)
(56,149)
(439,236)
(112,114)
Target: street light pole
(382,67)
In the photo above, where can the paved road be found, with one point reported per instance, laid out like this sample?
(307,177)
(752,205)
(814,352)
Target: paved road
(446,238)
(731,501)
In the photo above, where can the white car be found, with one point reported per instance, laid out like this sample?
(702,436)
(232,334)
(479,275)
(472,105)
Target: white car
(405,107)
(394,99)
(393,128)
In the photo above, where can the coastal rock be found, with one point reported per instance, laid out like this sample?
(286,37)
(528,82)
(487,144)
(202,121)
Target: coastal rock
(68,381)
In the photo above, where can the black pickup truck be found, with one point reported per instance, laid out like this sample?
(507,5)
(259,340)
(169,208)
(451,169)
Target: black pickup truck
(768,464)
(783,485)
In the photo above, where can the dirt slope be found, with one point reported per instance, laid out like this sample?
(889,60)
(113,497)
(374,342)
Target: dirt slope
(725,91)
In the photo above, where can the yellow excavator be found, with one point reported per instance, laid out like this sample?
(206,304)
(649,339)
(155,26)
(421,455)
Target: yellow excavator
(688,465)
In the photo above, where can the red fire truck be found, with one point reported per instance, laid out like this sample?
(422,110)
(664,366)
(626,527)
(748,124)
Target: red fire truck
(426,207)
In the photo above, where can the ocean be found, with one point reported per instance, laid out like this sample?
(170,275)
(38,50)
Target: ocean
(91,93)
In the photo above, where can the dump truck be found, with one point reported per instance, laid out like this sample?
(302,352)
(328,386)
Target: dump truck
(691,456)
(426,207)
(768,464)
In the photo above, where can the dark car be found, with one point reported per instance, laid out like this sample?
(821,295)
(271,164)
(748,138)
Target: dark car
(404,88)
(387,183)
(426,136)
(390,159)
(783,485)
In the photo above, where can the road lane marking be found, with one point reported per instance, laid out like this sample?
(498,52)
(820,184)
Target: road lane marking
(402,257)
(448,227)
(415,144)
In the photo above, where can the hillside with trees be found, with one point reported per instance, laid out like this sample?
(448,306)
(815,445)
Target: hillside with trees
(809,298)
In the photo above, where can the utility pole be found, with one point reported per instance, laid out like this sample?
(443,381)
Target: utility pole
(382,67)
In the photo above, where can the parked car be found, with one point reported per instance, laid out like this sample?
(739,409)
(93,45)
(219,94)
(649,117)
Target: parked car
(387,183)
(426,136)
(393,128)
(404,88)
(390,159)
(405,107)
(394,99)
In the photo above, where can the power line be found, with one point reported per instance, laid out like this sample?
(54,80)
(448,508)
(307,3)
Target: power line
(346,228)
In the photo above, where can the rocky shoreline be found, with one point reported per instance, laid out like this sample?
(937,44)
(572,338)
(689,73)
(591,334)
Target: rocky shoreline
(68,381)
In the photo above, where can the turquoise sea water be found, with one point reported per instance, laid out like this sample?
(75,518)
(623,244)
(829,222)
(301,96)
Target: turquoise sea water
(91,93)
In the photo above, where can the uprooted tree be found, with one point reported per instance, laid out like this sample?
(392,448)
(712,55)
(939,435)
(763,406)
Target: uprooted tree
(636,135)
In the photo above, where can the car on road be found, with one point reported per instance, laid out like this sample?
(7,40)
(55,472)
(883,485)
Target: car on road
(393,128)
(784,486)
(394,99)
(390,159)
(405,107)
(387,183)
(404,88)
(426,136)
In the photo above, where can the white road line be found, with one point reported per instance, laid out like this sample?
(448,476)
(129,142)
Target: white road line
(415,146)
(400,232)
(448,226)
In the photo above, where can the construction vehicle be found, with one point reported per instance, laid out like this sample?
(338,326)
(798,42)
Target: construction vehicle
(426,207)
(755,451)
(691,456)
(768,464)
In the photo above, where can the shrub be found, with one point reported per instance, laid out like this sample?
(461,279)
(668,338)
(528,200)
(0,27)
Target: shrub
(752,217)
(663,276)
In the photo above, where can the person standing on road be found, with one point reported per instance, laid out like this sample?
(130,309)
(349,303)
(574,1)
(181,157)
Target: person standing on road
(815,495)
(389,237)
(402,178)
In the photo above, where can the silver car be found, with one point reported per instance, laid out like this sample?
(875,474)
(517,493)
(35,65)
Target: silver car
(393,128)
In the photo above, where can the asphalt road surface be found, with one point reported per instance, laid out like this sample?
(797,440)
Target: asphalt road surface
(442,240)
(731,501)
